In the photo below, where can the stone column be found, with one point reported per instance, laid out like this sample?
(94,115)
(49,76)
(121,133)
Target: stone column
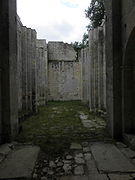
(104,70)
(8,66)
(42,70)
(100,68)
(24,70)
(34,84)
(96,68)
(91,49)
(29,70)
(19,64)
(113,64)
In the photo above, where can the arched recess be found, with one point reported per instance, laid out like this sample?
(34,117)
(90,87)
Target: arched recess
(128,108)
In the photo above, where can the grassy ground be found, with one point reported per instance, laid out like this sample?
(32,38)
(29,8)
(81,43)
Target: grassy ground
(58,125)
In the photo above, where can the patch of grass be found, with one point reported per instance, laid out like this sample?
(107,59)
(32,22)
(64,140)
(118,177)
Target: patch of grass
(57,125)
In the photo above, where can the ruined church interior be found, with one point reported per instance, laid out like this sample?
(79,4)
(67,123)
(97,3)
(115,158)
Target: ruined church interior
(66,113)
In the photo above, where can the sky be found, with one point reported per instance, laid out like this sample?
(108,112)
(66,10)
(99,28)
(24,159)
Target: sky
(55,20)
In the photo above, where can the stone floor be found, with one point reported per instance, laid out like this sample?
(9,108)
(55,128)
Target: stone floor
(86,159)
(90,161)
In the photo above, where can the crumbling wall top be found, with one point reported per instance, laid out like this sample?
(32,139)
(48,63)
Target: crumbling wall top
(60,51)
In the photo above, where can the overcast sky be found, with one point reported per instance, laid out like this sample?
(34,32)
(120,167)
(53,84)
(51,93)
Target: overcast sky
(55,20)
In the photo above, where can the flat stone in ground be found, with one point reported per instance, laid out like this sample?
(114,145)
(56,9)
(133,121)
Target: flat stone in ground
(19,163)
(86,149)
(5,149)
(119,177)
(79,160)
(74,178)
(79,155)
(133,161)
(75,146)
(45,170)
(98,177)
(88,124)
(67,162)
(79,170)
(91,166)
(121,145)
(50,172)
(60,164)
(130,139)
(52,164)
(43,178)
(2,157)
(67,168)
(87,156)
(83,117)
(69,157)
(84,144)
(35,176)
(128,152)
(110,159)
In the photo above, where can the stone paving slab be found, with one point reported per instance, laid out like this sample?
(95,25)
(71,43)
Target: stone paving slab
(74,178)
(121,145)
(110,159)
(88,124)
(98,177)
(91,166)
(75,146)
(128,152)
(5,149)
(19,163)
(83,117)
(119,177)
(79,170)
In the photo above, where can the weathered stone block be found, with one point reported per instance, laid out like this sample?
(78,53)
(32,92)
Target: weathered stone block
(59,51)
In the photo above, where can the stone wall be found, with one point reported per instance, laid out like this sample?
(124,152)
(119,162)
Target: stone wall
(94,70)
(31,70)
(64,72)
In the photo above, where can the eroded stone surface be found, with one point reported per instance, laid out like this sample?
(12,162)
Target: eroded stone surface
(79,155)
(88,123)
(75,146)
(79,160)
(19,163)
(87,156)
(121,145)
(74,178)
(86,149)
(83,116)
(79,170)
(119,177)
(91,166)
(97,177)
(110,159)
(5,149)
(128,152)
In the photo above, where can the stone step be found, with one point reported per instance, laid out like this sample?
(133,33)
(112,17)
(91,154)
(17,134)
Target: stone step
(19,163)
(109,159)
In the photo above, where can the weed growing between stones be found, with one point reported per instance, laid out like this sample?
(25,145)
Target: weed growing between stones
(58,124)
